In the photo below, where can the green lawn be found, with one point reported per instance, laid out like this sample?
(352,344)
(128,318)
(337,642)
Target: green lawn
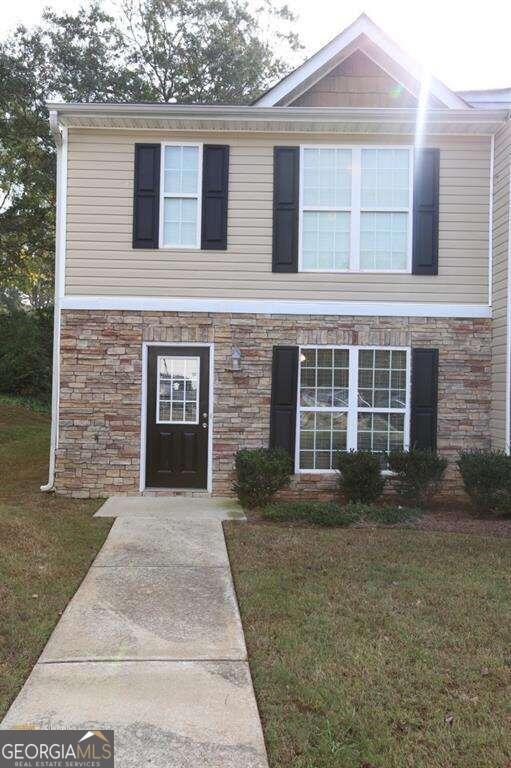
(46,545)
(377,648)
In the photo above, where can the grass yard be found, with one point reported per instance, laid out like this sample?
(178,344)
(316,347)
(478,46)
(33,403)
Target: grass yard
(377,648)
(47,543)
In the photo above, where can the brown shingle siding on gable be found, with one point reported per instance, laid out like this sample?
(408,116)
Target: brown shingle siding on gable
(356,82)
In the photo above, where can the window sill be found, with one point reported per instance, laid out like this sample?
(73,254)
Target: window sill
(385,472)
(356,271)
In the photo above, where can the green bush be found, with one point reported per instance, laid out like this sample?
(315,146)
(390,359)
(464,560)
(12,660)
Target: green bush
(316,512)
(260,473)
(487,480)
(387,514)
(329,513)
(418,474)
(26,340)
(361,477)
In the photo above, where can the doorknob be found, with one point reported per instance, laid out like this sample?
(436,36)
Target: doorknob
(204,415)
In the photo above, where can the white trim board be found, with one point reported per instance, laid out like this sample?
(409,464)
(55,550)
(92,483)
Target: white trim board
(143,408)
(276,306)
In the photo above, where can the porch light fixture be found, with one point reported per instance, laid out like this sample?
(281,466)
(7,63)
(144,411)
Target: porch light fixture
(236,359)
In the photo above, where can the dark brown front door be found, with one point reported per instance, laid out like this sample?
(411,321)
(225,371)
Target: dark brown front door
(177,417)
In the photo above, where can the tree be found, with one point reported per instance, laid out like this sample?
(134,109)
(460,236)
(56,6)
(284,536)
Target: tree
(186,51)
(206,51)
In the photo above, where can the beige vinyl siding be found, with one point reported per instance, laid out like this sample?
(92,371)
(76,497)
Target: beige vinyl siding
(101,261)
(501,213)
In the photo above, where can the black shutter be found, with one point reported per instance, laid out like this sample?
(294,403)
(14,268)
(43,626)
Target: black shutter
(426,190)
(283,399)
(286,173)
(146,197)
(424,398)
(215,183)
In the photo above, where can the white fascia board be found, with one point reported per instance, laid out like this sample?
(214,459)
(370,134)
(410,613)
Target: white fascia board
(361,26)
(275,307)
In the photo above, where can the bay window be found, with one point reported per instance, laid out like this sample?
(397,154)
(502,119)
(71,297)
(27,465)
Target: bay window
(355,209)
(350,398)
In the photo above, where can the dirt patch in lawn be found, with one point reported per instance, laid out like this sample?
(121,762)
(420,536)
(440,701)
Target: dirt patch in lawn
(461,521)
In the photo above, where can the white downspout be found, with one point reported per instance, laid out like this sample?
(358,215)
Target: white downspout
(60,139)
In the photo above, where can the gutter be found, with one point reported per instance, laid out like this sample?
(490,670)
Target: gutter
(255,113)
(60,138)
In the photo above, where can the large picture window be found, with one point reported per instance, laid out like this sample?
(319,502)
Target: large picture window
(181,193)
(350,398)
(355,209)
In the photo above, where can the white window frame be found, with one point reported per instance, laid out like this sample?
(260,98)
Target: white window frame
(355,210)
(181,195)
(353,408)
(177,423)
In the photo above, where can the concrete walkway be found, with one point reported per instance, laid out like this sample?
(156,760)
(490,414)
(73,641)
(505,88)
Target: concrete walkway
(152,646)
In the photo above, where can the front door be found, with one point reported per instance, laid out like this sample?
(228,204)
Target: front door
(177,417)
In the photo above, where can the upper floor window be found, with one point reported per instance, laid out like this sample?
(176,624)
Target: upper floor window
(181,194)
(355,209)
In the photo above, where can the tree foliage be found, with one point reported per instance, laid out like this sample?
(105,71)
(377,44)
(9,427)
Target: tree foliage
(184,51)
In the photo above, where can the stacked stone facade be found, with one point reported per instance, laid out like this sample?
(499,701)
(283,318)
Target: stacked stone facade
(101,386)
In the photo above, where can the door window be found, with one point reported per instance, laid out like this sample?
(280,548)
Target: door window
(177,392)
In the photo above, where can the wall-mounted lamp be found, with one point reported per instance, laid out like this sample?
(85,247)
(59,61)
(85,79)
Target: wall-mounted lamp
(236,359)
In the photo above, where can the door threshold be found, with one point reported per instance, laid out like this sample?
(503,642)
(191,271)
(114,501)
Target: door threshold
(175,492)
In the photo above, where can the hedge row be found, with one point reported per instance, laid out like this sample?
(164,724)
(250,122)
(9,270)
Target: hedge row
(26,342)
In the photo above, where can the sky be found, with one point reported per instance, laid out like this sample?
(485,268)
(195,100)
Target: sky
(466,45)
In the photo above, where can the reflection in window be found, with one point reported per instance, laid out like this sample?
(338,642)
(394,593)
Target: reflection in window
(181,196)
(330,420)
(178,390)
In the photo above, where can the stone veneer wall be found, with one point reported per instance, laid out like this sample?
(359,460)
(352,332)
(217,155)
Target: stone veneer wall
(101,374)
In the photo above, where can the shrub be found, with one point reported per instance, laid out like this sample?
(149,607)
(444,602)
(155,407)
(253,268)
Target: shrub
(316,512)
(418,474)
(260,473)
(361,477)
(487,480)
(387,514)
(26,353)
(330,513)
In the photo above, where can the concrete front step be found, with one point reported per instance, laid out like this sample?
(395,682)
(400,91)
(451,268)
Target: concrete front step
(173,507)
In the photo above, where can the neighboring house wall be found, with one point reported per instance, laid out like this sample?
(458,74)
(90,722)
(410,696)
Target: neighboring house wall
(501,254)
(101,386)
(356,82)
(100,259)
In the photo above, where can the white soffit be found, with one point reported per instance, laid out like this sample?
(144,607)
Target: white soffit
(361,26)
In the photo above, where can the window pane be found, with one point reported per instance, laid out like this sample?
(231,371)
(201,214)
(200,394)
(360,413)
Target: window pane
(181,170)
(325,240)
(321,436)
(383,241)
(380,431)
(178,389)
(385,178)
(381,379)
(324,379)
(327,177)
(180,221)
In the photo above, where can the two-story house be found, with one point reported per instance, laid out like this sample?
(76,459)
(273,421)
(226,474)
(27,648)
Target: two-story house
(319,271)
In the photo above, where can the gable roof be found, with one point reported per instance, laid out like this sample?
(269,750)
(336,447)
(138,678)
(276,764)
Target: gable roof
(361,27)
(489,98)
